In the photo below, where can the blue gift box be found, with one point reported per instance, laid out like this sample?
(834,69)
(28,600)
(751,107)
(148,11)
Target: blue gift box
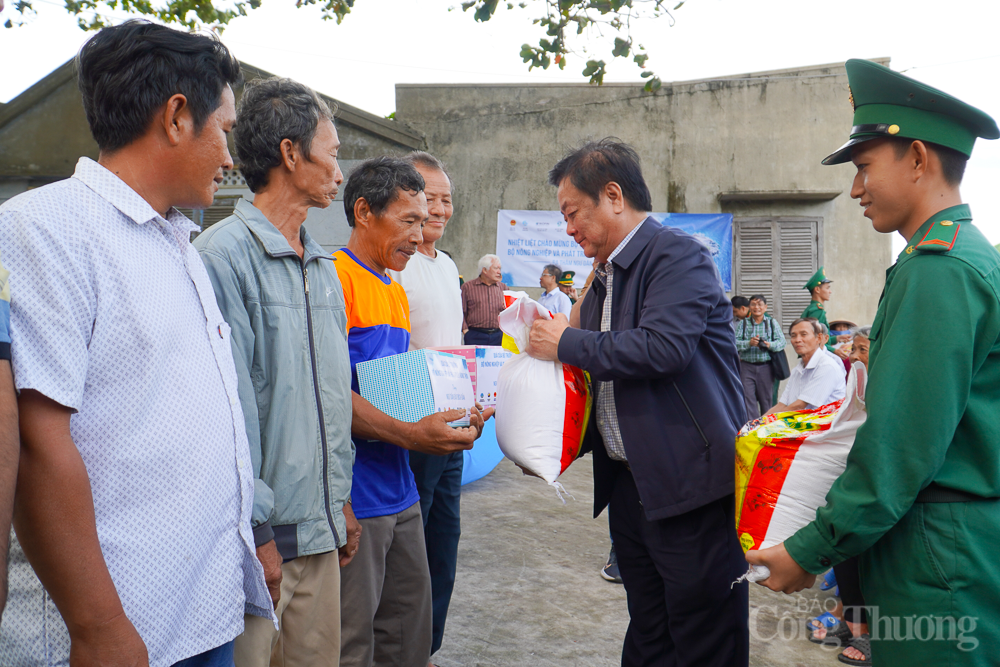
(400,385)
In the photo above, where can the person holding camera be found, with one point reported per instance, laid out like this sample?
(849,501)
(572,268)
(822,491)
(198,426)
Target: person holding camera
(757,336)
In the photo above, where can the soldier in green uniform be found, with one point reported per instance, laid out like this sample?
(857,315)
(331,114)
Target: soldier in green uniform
(820,290)
(920,497)
(566,285)
(815,308)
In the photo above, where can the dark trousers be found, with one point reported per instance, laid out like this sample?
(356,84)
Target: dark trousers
(439,482)
(758,385)
(849,585)
(677,574)
(481,337)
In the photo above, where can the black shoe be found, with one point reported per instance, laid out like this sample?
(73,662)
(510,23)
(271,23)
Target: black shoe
(610,571)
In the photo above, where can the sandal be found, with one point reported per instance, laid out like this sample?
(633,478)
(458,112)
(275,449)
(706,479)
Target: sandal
(862,643)
(829,580)
(837,632)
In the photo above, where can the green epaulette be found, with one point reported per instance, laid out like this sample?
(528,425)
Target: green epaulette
(939,238)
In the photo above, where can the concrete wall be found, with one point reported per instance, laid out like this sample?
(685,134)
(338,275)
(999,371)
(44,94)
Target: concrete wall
(46,141)
(748,145)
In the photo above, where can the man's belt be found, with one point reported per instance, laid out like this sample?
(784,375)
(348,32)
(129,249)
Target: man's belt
(935,493)
(490,331)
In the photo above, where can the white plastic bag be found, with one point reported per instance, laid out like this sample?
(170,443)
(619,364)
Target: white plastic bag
(542,406)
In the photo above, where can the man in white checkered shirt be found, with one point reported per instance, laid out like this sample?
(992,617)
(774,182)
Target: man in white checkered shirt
(136,485)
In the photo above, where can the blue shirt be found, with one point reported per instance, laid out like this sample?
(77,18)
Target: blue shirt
(556,302)
(378,325)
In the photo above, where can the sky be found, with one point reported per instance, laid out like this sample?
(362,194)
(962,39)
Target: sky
(950,45)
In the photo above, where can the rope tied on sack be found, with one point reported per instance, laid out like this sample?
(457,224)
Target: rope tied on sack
(753,574)
(560,490)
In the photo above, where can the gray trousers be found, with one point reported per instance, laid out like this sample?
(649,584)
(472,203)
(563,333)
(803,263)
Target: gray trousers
(758,385)
(385,595)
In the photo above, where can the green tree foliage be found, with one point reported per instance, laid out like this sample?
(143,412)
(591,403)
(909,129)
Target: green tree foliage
(561,24)
(564,21)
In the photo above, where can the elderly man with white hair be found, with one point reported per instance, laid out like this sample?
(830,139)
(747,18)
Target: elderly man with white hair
(482,301)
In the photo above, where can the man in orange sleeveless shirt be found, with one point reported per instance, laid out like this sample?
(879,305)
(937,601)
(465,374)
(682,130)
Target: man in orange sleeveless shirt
(386,589)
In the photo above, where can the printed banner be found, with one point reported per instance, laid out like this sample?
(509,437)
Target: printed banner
(528,240)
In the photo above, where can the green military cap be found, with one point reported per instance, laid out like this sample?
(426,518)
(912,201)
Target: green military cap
(567,277)
(888,104)
(817,279)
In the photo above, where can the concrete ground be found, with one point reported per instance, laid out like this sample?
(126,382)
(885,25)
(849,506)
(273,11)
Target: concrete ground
(528,590)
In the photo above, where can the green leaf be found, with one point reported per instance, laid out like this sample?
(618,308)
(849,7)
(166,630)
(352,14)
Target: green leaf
(595,69)
(486,10)
(653,85)
(621,48)
(535,57)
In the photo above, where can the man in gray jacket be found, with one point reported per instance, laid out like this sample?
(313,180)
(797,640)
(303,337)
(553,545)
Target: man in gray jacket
(279,291)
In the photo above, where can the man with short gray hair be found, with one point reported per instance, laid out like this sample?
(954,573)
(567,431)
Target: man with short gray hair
(279,291)
(482,301)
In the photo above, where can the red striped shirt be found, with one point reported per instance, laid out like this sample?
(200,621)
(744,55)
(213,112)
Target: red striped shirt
(481,303)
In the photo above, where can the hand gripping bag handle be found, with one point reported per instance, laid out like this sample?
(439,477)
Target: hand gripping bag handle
(516,320)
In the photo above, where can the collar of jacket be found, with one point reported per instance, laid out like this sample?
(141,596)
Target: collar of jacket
(647,230)
(274,242)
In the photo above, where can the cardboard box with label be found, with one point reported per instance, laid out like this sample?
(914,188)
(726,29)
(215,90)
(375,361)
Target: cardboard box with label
(415,384)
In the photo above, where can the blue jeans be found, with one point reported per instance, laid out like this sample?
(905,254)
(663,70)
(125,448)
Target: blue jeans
(220,656)
(439,482)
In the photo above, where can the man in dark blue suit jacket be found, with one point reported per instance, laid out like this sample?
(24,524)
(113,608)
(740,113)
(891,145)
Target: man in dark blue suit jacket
(657,338)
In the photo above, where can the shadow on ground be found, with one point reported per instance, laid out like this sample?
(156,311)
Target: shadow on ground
(528,590)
